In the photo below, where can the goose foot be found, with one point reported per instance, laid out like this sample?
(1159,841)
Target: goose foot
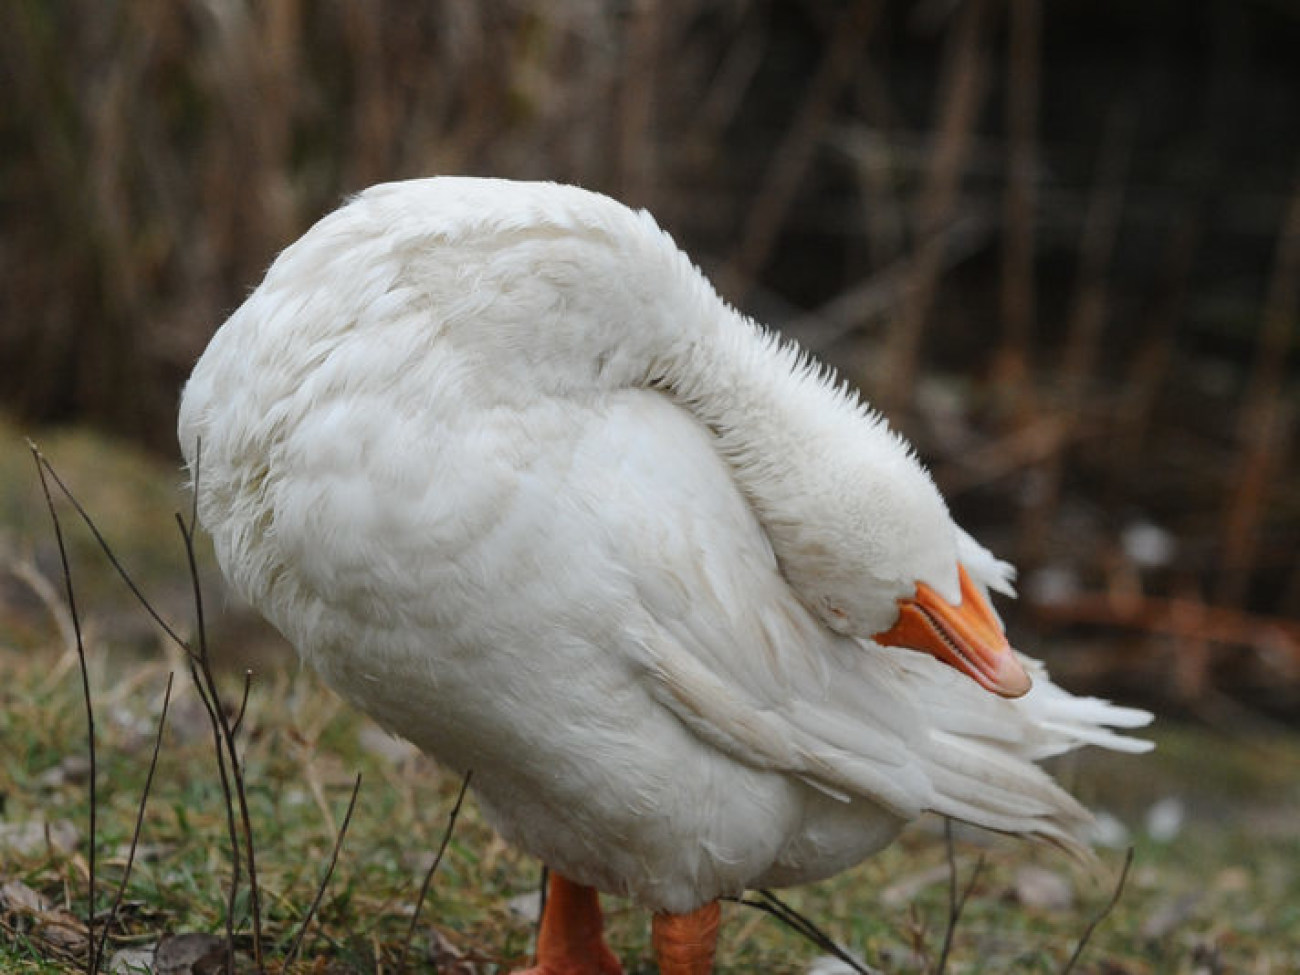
(685,943)
(571,941)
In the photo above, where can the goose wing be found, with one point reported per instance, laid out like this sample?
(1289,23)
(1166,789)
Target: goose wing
(726,645)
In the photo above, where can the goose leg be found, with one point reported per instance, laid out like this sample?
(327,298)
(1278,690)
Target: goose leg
(571,941)
(684,943)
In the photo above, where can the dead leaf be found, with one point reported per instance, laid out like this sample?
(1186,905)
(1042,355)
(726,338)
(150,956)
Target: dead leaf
(446,957)
(17,897)
(52,926)
(36,836)
(63,931)
(526,907)
(132,961)
(190,954)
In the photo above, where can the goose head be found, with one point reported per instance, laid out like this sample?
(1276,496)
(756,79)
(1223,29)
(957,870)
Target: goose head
(965,635)
(876,555)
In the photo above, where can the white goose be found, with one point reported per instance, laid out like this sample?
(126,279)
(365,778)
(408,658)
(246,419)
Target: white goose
(502,466)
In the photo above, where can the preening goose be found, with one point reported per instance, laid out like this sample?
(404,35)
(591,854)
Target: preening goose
(499,462)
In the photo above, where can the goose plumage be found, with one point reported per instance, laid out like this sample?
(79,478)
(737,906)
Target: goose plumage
(503,467)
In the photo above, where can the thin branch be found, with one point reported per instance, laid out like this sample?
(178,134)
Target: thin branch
(542,893)
(1101,915)
(222,725)
(107,550)
(769,903)
(42,465)
(139,822)
(204,683)
(1264,418)
(207,693)
(324,881)
(212,704)
(243,701)
(28,573)
(428,877)
(201,672)
(916,932)
(1177,616)
(956,903)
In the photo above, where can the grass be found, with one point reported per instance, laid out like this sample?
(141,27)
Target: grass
(1223,896)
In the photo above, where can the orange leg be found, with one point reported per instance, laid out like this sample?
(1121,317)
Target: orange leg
(571,941)
(684,943)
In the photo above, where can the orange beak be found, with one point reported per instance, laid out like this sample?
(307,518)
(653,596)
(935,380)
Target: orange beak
(967,637)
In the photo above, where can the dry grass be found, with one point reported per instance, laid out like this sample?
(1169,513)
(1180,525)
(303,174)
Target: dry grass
(1086,325)
(1219,897)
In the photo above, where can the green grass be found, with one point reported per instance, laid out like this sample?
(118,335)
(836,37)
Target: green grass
(303,749)
(1228,886)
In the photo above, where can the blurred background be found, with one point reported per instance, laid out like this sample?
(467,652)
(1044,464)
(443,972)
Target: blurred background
(1059,243)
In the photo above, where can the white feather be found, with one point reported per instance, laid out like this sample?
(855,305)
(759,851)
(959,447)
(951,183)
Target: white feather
(498,461)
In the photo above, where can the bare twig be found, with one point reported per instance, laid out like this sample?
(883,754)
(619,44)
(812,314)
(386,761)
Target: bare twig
(223,733)
(92,960)
(1265,417)
(324,881)
(108,551)
(916,931)
(543,890)
(956,902)
(428,876)
(1177,617)
(30,575)
(201,666)
(1101,915)
(201,672)
(243,702)
(139,822)
(212,704)
(769,903)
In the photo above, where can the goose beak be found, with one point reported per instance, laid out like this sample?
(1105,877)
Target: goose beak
(967,636)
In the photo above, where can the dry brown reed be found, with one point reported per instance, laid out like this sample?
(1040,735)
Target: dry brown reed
(903,186)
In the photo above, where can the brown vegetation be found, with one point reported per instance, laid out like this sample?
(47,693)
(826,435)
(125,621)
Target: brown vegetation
(1058,242)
